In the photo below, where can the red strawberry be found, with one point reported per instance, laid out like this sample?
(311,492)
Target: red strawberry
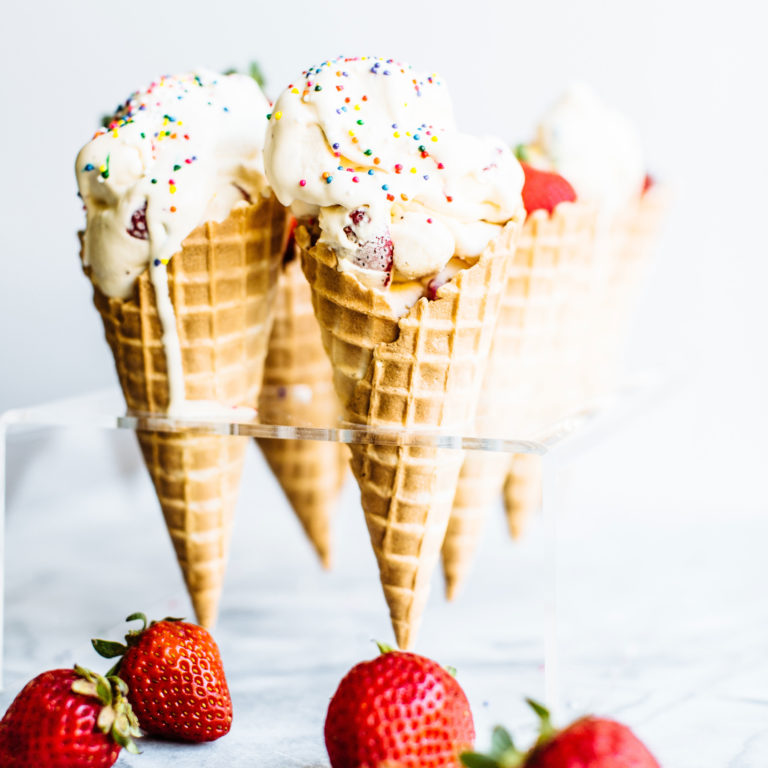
(138,225)
(67,719)
(398,709)
(544,189)
(648,182)
(377,253)
(176,679)
(434,285)
(591,742)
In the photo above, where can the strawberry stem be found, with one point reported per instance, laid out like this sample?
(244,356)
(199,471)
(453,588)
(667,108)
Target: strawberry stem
(384,648)
(521,153)
(546,729)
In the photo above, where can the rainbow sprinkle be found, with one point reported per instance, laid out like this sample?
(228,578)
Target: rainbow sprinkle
(351,110)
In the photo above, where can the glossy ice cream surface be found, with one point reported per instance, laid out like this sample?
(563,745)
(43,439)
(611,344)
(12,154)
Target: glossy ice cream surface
(180,152)
(371,149)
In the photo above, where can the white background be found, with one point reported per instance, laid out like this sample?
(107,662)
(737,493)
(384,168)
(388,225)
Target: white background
(691,75)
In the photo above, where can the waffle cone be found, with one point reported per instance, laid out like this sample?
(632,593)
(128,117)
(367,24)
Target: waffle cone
(631,237)
(222,285)
(604,287)
(476,493)
(298,389)
(420,370)
(522,491)
(523,387)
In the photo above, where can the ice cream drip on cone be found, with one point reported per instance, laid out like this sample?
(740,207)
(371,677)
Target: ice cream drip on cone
(183,242)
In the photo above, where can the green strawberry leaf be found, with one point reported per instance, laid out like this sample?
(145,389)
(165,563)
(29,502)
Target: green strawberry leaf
(124,739)
(521,153)
(539,709)
(476,760)
(108,648)
(104,691)
(501,741)
(546,729)
(451,671)
(118,684)
(384,648)
(138,616)
(106,719)
(255,71)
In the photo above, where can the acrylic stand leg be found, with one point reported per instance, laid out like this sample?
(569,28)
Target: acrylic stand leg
(552,501)
(3,436)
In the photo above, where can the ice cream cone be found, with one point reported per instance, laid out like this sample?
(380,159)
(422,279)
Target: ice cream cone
(424,369)
(522,491)
(603,294)
(476,493)
(298,389)
(222,285)
(525,385)
(630,240)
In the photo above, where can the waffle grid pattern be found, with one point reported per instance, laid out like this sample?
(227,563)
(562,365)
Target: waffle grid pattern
(222,285)
(423,370)
(311,473)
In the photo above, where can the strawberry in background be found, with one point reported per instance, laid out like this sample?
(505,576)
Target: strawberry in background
(68,718)
(175,677)
(543,190)
(398,709)
(590,742)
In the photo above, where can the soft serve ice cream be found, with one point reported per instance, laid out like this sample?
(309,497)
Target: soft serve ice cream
(370,149)
(595,148)
(183,151)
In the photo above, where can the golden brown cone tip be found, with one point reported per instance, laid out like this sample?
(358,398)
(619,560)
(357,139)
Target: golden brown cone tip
(522,491)
(222,285)
(311,476)
(297,390)
(476,492)
(422,369)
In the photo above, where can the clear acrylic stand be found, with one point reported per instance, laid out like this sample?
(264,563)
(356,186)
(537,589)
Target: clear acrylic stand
(556,442)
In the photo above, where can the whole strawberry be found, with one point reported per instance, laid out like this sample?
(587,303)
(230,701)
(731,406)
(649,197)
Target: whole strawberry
(544,189)
(67,718)
(398,709)
(648,182)
(175,677)
(591,742)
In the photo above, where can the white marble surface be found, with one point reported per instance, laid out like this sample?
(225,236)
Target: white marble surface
(660,608)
